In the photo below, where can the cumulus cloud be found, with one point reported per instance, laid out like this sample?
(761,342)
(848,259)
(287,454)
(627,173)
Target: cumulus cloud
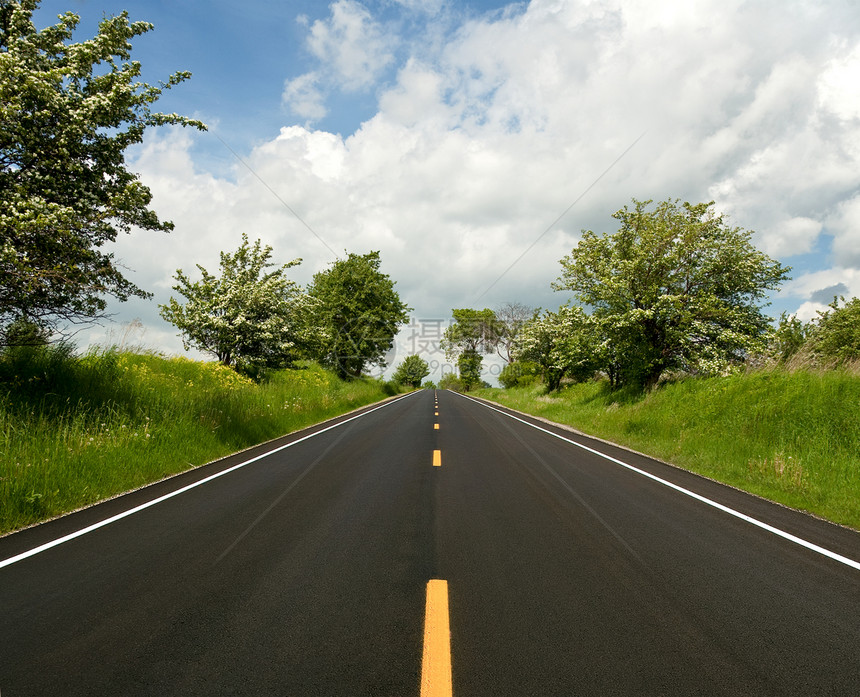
(480,141)
(430,7)
(351,44)
(303,97)
(837,86)
(352,49)
(844,225)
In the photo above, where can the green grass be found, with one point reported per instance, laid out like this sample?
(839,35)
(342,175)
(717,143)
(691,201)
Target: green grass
(789,436)
(76,430)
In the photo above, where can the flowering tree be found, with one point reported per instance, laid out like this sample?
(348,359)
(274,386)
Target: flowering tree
(68,111)
(673,288)
(247,316)
(562,344)
(835,333)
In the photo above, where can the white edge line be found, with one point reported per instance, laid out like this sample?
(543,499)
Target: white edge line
(731,511)
(143,506)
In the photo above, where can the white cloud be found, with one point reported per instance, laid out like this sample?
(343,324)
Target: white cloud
(304,98)
(482,140)
(811,286)
(351,45)
(790,237)
(844,224)
(430,7)
(352,50)
(839,85)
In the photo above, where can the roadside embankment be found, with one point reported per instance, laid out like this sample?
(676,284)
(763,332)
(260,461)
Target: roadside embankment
(789,436)
(75,430)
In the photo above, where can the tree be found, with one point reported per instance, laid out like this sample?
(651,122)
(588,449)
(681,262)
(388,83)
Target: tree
(247,317)
(472,330)
(519,374)
(788,338)
(22,332)
(562,344)
(472,334)
(510,319)
(835,334)
(411,371)
(68,112)
(469,367)
(361,311)
(449,381)
(673,288)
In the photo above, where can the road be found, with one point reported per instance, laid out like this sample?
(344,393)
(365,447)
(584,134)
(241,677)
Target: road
(306,571)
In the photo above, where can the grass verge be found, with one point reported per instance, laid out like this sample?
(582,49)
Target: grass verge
(789,436)
(77,430)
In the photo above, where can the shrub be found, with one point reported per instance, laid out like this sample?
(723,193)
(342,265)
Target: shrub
(519,374)
(836,334)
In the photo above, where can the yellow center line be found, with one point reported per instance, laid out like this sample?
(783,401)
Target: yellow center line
(436,663)
(437,458)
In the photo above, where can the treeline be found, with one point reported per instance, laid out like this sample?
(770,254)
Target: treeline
(674,291)
(253,318)
(69,112)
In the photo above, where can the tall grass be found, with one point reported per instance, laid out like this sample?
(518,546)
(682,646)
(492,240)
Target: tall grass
(790,436)
(75,430)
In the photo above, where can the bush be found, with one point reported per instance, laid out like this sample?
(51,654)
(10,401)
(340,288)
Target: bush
(519,374)
(450,381)
(836,335)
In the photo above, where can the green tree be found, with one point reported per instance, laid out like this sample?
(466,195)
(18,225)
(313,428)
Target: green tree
(788,338)
(361,311)
(562,345)
(22,332)
(835,334)
(519,374)
(472,330)
(68,112)
(411,371)
(449,381)
(472,334)
(246,317)
(674,288)
(469,364)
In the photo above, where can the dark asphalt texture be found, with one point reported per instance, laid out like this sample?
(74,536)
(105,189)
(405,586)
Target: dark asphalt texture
(304,573)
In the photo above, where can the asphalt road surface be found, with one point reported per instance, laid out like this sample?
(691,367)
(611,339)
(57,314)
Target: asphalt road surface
(305,571)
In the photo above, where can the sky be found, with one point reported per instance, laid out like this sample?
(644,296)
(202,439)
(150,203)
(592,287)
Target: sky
(471,142)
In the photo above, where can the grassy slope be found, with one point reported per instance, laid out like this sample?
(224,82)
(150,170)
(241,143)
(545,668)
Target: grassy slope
(74,431)
(792,437)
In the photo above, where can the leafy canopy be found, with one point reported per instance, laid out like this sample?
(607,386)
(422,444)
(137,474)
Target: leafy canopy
(68,112)
(360,310)
(674,288)
(247,316)
(411,371)
(473,331)
(561,345)
(835,334)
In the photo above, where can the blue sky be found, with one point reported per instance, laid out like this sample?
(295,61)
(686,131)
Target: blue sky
(450,135)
